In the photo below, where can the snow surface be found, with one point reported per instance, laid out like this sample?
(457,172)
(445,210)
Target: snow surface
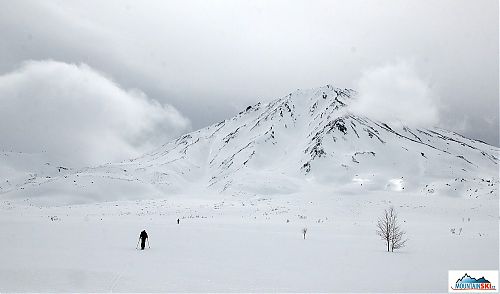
(244,189)
(244,244)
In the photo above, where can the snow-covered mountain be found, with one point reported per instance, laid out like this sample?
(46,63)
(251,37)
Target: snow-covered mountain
(307,139)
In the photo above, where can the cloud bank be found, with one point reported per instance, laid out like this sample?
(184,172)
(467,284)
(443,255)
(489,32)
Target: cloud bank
(78,116)
(210,59)
(395,93)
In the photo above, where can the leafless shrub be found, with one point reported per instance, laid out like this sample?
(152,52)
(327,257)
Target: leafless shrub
(390,231)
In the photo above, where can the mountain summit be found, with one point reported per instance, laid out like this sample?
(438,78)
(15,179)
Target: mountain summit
(307,139)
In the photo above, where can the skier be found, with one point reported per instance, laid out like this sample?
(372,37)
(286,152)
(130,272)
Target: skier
(143,236)
(178,221)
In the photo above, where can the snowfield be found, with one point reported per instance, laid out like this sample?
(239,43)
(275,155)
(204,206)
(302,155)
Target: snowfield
(244,244)
(243,190)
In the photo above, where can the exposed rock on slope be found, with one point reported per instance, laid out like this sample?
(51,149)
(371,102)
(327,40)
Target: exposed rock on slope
(303,140)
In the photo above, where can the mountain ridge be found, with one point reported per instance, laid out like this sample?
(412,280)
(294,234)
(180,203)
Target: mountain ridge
(308,137)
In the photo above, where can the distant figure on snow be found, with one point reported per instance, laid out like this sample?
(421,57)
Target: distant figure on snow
(178,221)
(143,236)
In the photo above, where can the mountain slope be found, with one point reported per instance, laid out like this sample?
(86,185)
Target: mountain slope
(301,142)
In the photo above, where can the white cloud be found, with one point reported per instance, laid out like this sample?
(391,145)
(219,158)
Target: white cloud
(396,94)
(210,59)
(78,116)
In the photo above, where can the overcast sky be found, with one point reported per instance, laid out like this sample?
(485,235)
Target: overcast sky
(193,63)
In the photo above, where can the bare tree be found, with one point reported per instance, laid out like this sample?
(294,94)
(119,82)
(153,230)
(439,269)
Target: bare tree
(304,231)
(390,231)
(384,227)
(397,234)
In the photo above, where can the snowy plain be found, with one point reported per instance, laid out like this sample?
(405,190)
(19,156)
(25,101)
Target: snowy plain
(243,244)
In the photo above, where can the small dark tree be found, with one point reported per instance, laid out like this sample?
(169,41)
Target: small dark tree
(304,231)
(397,234)
(384,227)
(390,231)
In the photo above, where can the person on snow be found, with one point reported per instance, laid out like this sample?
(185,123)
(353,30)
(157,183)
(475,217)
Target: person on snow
(143,236)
